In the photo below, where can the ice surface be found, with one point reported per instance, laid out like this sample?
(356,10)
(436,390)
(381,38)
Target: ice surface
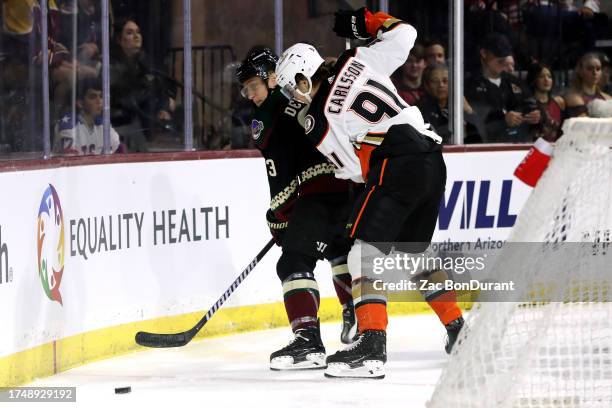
(232,371)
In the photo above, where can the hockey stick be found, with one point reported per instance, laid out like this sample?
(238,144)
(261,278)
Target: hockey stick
(164,340)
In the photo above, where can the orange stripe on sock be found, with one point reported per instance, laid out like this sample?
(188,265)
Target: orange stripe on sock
(365,202)
(446,307)
(371,316)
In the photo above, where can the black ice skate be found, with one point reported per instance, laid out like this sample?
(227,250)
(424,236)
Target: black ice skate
(365,358)
(349,324)
(305,351)
(452,332)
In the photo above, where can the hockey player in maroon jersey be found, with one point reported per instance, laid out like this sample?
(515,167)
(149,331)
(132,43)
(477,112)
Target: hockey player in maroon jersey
(358,121)
(308,210)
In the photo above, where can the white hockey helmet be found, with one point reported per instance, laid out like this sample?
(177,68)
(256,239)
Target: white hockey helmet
(300,58)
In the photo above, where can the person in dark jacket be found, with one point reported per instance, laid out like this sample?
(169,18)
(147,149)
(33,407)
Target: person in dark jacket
(141,99)
(499,99)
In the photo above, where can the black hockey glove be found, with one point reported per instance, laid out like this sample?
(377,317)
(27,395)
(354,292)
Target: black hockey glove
(277,227)
(351,24)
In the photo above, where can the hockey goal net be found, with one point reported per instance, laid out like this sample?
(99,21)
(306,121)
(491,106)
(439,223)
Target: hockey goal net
(553,351)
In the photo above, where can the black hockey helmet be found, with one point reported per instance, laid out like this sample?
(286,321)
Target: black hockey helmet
(258,62)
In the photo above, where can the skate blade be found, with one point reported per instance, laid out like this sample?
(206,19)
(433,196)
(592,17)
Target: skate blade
(374,369)
(313,361)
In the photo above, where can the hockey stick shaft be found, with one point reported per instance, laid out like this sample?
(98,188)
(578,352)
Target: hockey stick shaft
(180,339)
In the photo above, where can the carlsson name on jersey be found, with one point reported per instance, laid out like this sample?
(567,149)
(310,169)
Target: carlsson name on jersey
(343,85)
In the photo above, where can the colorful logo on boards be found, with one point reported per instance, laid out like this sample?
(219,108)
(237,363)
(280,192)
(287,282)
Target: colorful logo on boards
(50,244)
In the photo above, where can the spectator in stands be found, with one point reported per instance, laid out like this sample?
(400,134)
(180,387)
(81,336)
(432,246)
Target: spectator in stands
(498,98)
(435,52)
(604,83)
(510,65)
(142,99)
(586,96)
(20,40)
(483,17)
(434,105)
(80,22)
(586,8)
(407,78)
(83,134)
(562,27)
(587,75)
(552,107)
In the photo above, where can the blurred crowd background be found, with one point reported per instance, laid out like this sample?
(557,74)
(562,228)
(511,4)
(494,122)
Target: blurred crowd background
(529,65)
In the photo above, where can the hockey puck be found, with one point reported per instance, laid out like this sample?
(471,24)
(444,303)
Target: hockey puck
(123,390)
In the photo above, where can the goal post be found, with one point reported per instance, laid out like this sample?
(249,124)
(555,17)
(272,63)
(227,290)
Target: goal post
(552,350)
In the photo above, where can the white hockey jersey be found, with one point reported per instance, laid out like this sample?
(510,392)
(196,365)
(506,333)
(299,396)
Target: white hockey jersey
(74,136)
(356,108)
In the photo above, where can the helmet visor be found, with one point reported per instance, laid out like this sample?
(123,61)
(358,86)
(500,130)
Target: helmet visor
(251,88)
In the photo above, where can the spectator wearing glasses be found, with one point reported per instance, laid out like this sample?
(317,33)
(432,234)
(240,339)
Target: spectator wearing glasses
(434,105)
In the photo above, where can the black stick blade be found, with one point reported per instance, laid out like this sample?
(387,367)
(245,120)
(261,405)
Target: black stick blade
(160,340)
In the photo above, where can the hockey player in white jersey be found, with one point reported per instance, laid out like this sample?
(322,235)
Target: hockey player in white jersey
(358,121)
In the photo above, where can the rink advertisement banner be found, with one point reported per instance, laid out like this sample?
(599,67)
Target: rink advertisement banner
(85,248)
(482,198)
(97,246)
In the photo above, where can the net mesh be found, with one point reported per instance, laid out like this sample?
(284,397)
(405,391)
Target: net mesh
(548,353)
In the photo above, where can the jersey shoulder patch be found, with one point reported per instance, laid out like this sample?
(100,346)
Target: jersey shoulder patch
(257,128)
(315,122)
(309,123)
